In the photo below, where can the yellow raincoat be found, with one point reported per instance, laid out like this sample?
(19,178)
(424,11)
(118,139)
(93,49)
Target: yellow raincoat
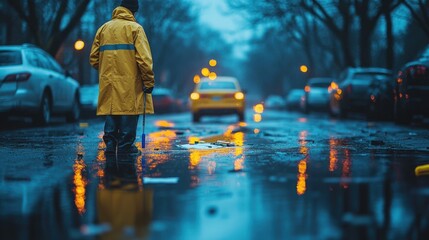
(122,55)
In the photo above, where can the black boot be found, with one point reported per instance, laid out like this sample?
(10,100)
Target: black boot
(132,150)
(110,148)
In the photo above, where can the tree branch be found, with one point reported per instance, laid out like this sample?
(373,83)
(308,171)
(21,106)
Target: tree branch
(420,21)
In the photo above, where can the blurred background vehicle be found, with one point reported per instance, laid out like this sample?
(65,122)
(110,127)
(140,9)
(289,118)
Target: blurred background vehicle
(33,84)
(294,99)
(380,98)
(221,96)
(89,100)
(164,101)
(316,95)
(411,91)
(274,102)
(351,93)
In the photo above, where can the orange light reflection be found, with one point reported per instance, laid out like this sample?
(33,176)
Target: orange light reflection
(198,156)
(79,181)
(333,155)
(157,142)
(301,185)
(212,167)
(257,117)
(239,164)
(139,171)
(302,120)
(164,124)
(346,171)
(192,139)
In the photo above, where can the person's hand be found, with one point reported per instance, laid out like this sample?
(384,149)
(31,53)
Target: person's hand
(148,90)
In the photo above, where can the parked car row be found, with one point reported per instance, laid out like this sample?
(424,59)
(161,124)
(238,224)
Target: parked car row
(33,84)
(375,92)
(411,91)
(351,94)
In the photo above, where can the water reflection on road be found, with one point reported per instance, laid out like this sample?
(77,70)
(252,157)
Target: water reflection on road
(298,184)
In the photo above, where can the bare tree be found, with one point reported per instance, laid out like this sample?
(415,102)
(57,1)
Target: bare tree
(388,6)
(419,11)
(50,22)
(338,18)
(167,23)
(369,13)
(170,26)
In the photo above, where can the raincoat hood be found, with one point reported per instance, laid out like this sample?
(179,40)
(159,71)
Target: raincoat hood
(123,13)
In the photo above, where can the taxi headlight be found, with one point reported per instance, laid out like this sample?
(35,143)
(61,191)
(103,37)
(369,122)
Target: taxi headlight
(195,96)
(239,95)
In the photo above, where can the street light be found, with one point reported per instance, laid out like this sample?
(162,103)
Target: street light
(258,108)
(212,63)
(205,72)
(79,45)
(197,79)
(212,76)
(303,68)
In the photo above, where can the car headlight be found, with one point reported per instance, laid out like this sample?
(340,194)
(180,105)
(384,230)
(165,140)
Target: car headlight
(239,95)
(195,96)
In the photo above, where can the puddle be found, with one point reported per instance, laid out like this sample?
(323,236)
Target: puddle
(324,189)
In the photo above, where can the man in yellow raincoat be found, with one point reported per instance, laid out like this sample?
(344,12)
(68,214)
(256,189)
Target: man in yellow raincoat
(122,56)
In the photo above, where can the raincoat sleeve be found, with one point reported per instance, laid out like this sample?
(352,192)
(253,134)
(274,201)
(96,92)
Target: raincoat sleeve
(144,58)
(94,59)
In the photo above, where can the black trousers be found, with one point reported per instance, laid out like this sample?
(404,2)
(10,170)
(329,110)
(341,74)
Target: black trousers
(120,131)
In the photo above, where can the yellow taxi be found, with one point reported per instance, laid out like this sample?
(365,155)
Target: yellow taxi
(221,96)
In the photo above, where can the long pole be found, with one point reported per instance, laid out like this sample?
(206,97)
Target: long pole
(144,121)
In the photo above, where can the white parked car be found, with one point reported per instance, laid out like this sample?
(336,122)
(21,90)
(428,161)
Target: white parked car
(294,99)
(274,102)
(317,94)
(33,84)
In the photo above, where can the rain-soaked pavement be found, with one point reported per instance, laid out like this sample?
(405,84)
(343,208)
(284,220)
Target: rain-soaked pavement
(280,175)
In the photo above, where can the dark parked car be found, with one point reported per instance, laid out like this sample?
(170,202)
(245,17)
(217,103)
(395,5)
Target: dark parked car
(294,99)
(33,84)
(380,98)
(351,93)
(165,102)
(411,94)
(89,99)
(317,94)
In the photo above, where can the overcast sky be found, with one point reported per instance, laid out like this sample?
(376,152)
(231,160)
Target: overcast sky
(230,24)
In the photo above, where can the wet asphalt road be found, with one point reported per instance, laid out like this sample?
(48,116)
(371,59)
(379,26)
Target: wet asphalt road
(289,176)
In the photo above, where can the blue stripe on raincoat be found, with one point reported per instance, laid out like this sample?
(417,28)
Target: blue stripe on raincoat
(117,47)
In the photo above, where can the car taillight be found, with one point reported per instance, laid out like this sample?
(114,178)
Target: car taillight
(239,95)
(167,100)
(17,77)
(307,88)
